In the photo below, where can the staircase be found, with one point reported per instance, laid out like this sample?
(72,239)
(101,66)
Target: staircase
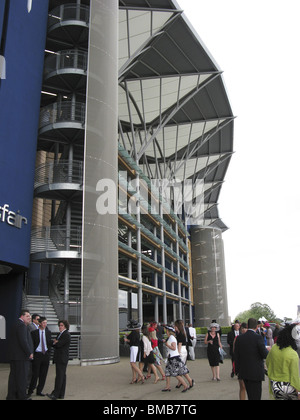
(41,305)
(74,281)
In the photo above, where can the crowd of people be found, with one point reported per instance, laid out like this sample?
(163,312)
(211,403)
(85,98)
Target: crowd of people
(256,350)
(30,344)
(148,351)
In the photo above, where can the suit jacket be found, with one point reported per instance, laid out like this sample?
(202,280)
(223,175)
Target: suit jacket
(230,339)
(249,354)
(35,335)
(61,348)
(20,342)
(32,327)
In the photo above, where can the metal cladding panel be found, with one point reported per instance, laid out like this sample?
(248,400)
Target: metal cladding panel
(99,324)
(23,44)
(209,278)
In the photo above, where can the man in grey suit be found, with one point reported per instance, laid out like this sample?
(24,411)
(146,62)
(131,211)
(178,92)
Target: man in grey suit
(20,354)
(249,354)
(34,325)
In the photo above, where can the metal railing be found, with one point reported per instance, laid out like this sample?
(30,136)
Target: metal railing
(66,12)
(56,238)
(67,111)
(70,59)
(59,173)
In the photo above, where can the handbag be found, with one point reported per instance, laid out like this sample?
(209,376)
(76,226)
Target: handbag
(149,359)
(222,354)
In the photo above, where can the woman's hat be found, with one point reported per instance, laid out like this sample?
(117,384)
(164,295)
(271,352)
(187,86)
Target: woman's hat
(133,325)
(214,325)
(168,327)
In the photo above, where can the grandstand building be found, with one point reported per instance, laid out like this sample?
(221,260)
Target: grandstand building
(109,111)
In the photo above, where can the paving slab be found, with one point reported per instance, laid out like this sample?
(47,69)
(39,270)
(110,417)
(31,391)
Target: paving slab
(112,382)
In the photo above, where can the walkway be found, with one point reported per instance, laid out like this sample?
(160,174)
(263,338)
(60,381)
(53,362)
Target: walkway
(111,382)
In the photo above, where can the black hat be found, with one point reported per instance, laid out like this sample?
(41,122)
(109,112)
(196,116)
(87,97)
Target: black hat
(133,325)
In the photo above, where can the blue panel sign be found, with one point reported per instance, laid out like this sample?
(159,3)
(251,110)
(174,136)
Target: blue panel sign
(23,37)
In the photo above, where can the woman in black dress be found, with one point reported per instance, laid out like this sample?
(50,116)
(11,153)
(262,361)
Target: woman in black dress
(213,341)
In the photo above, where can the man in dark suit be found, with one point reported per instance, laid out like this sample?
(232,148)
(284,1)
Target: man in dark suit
(231,336)
(20,353)
(249,354)
(42,344)
(61,357)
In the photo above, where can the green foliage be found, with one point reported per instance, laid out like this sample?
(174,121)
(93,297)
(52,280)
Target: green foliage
(257,311)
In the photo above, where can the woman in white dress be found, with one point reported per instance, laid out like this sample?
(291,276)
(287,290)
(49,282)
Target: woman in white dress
(147,355)
(175,366)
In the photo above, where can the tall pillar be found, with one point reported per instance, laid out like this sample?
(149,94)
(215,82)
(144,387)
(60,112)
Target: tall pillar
(139,255)
(178,273)
(162,238)
(99,314)
(209,278)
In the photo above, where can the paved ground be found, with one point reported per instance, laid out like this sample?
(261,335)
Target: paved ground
(111,382)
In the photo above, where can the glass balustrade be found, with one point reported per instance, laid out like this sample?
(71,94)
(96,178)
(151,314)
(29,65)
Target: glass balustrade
(66,60)
(65,111)
(59,173)
(68,12)
(56,238)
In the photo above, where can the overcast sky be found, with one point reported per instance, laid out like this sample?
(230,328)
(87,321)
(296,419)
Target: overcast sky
(256,44)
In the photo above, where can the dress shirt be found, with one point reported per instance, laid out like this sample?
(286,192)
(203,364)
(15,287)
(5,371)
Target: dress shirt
(39,347)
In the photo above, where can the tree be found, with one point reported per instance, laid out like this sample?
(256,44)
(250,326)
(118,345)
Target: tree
(257,311)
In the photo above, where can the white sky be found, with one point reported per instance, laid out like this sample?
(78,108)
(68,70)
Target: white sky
(256,44)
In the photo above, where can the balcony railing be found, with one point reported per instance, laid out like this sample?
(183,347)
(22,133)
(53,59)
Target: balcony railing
(59,112)
(59,173)
(69,12)
(66,60)
(56,238)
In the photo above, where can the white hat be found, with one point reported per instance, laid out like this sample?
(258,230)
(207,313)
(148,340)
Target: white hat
(168,327)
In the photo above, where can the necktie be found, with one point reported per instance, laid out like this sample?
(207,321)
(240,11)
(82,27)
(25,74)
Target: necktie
(43,343)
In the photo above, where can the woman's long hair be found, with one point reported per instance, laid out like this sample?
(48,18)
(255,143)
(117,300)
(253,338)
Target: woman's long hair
(180,326)
(145,332)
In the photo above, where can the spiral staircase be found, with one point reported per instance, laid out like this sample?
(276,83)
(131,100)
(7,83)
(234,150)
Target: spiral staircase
(56,242)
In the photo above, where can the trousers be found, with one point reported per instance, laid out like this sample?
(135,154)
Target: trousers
(254,389)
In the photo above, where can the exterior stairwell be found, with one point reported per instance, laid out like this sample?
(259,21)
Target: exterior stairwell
(41,305)
(74,281)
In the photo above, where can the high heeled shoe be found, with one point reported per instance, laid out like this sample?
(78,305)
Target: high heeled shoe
(166,390)
(193,383)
